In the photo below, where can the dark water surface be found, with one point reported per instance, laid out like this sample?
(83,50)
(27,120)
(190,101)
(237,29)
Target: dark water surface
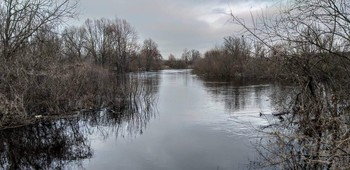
(191,124)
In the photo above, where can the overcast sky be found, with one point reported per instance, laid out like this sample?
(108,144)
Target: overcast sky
(174,24)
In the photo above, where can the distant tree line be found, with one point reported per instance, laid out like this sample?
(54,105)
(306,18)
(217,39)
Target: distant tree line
(187,60)
(239,58)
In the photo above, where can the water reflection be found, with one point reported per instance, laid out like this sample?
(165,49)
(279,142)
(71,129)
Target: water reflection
(309,133)
(50,145)
(239,96)
(65,143)
(201,125)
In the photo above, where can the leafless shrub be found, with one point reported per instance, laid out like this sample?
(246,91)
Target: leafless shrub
(238,59)
(314,130)
(45,73)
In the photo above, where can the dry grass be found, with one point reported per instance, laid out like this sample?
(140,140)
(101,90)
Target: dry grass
(58,89)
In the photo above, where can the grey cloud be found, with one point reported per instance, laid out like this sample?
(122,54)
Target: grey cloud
(174,25)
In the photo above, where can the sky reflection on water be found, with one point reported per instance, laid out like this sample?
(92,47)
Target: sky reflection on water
(200,125)
(178,121)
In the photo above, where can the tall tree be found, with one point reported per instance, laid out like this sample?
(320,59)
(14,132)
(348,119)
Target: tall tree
(74,42)
(151,55)
(125,37)
(186,56)
(111,42)
(20,19)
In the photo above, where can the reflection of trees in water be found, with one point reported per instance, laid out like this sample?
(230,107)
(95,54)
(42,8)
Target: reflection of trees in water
(138,100)
(48,145)
(63,143)
(238,95)
(308,132)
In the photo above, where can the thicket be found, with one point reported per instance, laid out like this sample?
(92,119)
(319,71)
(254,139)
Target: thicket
(238,58)
(187,60)
(313,130)
(64,143)
(44,71)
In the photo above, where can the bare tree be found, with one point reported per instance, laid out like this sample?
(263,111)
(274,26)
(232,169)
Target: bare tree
(189,56)
(171,62)
(151,55)
(111,42)
(171,57)
(126,43)
(96,39)
(311,38)
(74,42)
(91,39)
(43,50)
(196,55)
(186,56)
(237,53)
(20,19)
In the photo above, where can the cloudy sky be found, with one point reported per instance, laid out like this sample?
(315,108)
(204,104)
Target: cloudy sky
(174,24)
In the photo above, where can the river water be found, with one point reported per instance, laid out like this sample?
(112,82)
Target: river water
(198,125)
(191,124)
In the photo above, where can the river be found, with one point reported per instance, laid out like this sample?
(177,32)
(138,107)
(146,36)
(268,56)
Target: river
(191,124)
(199,125)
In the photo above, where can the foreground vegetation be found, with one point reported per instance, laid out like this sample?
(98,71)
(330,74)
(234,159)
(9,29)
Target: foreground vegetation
(311,41)
(45,72)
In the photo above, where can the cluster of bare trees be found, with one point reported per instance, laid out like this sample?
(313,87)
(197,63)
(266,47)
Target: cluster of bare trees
(44,70)
(311,40)
(29,50)
(108,43)
(187,60)
(111,44)
(238,58)
(22,20)
(150,58)
(175,63)
(190,56)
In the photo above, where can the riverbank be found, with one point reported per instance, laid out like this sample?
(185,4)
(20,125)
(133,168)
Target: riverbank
(58,91)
